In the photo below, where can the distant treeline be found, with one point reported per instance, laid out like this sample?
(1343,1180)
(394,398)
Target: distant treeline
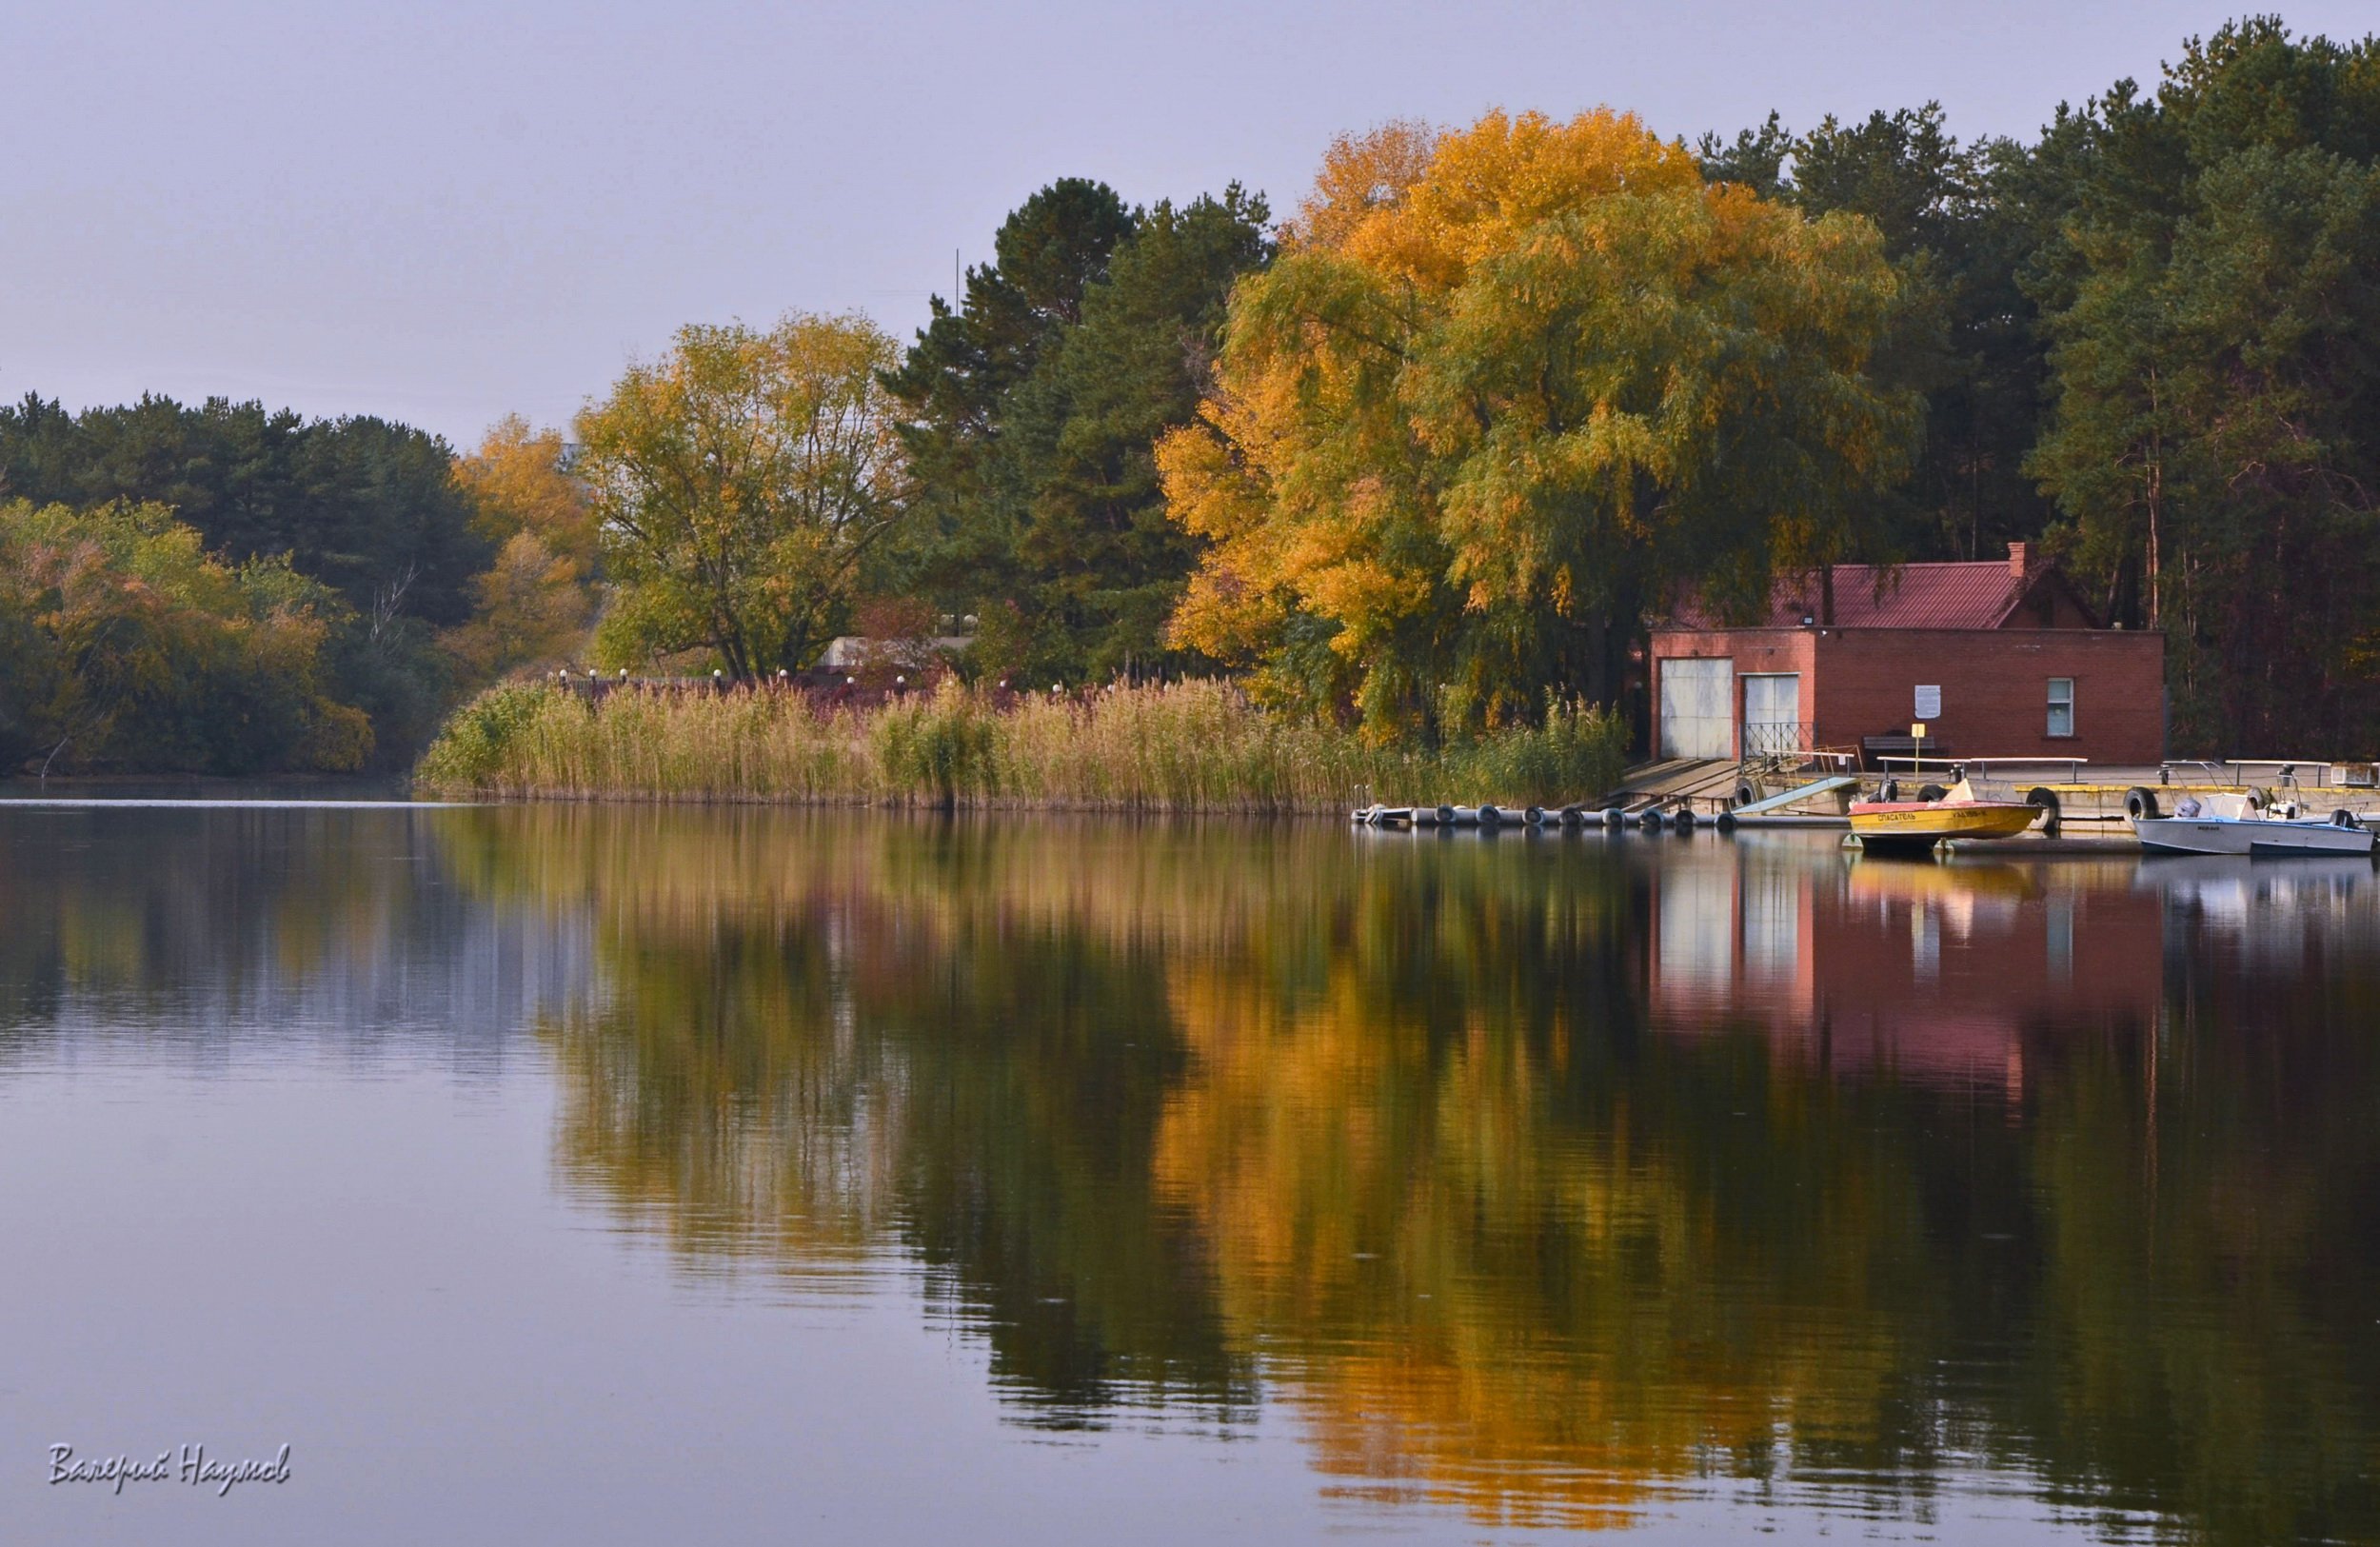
(1430,452)
(224,589)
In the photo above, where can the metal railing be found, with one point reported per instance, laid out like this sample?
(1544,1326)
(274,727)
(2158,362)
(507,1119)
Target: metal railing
(1981,767)
(2234,770)
(1775,738)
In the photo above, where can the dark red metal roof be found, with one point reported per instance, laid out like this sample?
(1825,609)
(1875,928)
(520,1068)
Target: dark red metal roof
(1976,595)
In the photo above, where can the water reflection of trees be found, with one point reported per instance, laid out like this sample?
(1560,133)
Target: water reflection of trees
(812,1045)
(215,929)
(1406,1133)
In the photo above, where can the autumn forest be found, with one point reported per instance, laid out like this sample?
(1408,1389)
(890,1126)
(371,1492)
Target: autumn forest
(1416,455)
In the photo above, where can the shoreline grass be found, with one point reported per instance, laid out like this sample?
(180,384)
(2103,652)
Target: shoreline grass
(1196,746)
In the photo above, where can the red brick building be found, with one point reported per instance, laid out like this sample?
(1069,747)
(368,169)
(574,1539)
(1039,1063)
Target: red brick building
(1925,973)
(2018,667)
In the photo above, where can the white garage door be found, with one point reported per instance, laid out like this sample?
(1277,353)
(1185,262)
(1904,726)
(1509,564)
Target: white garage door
(1773,713)
(1697,708)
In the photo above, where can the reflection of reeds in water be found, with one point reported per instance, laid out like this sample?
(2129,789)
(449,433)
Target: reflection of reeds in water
(1188,746)
(709,1096)
(798,1176)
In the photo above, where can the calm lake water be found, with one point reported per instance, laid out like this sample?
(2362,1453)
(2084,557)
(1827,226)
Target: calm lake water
(621,1175)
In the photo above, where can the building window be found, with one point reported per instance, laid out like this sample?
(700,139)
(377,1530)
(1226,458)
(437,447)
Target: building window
(2061,705)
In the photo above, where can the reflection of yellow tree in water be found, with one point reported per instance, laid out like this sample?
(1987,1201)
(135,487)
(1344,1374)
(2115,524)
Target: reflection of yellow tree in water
(1468,1290)
(1164,1112)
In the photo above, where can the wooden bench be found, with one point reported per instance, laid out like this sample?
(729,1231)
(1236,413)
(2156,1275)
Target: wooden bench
(1873,749)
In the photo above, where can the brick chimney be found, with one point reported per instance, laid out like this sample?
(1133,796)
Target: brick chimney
(2019,561)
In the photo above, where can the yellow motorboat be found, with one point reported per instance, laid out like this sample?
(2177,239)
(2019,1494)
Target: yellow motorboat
(1913,827)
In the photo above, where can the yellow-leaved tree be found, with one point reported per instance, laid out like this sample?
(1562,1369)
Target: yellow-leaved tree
(738,482)
(1505,389)
(534,605)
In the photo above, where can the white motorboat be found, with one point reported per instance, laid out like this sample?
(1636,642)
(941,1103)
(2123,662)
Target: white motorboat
(2243,825)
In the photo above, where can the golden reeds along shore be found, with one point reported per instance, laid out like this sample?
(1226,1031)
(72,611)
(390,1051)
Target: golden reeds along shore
(1196,746)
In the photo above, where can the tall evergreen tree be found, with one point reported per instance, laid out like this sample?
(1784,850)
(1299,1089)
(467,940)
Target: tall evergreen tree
(1029,417)
(952,387)
(2212,293)
(1754,159)
(1969,339)
(1100,565)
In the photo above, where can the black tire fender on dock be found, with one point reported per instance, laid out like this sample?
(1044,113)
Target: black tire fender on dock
(2052,811)
(1745,794)
(2141,801)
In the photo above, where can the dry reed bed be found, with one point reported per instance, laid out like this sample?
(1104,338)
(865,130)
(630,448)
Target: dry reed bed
(1198,746)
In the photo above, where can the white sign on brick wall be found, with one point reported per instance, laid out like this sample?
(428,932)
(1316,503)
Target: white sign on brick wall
(1930,703)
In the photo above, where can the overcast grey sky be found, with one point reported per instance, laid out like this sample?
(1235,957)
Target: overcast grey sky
(443,213)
